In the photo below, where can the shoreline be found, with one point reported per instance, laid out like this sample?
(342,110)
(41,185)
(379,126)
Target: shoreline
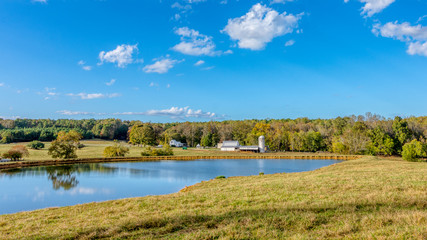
(24,164)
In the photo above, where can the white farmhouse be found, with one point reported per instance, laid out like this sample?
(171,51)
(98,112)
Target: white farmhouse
(175,143)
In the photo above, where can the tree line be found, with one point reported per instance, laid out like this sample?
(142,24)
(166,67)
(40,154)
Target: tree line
(363,134)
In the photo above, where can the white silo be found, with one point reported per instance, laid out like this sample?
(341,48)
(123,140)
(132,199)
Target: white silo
(261,144)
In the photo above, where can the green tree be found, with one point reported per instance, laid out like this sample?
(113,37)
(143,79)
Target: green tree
(401,133)
(381,142)
(142,135)
(414,150)
(65,145)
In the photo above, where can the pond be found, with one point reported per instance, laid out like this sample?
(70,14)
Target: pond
(54,186)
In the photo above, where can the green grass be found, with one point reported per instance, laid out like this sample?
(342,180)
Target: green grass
(368,198)
(95,149)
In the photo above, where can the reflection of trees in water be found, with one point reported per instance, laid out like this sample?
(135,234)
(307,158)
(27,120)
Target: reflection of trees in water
(64,177)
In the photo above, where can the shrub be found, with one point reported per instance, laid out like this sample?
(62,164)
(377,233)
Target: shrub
(413,150)
(117,150)
(16,153)
(220,177)
(36,145)
(149,151)
(261,173)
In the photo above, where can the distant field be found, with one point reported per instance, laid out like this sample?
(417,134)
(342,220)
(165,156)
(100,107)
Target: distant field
(95,148)
(368,198)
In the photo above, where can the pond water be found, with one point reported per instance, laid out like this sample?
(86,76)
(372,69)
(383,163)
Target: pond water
(40,187)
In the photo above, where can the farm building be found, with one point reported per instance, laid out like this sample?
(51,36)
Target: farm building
(235,146)
(230,146)
(175,143)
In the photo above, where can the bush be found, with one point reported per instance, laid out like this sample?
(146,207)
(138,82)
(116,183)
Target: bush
(36,145)
(220,177)
(16,153)
(413,150)
(149,151)
(117,150)
(261,173)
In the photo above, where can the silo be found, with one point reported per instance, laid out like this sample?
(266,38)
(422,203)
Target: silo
(261,144)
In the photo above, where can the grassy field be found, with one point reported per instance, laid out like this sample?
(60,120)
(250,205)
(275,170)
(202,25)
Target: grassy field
(368,198)
(95,148)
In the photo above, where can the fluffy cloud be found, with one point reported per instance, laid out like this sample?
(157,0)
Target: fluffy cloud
(88,96)
(160,66)
(372,7)
(194,43)
(417,48)
(173,112)
(122,55)
(259,26)
(84,66)
(414,36)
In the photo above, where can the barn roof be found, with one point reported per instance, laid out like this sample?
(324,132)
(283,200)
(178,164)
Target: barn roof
(230,144)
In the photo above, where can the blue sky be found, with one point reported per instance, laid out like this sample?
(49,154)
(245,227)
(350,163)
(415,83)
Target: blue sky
(202,60)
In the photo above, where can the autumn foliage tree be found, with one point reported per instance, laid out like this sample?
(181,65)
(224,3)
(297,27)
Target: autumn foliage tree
(65,145)
(16,153)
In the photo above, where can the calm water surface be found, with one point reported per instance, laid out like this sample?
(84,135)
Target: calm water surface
(41,187)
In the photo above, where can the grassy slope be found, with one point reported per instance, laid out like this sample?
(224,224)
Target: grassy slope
(95,148)
(365,198)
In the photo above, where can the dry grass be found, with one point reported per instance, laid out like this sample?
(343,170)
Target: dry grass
(368,198)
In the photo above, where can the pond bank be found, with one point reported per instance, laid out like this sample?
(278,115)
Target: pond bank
(22,164)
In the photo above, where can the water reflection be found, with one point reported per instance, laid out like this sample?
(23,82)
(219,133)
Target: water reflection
(62,177)
(41,187)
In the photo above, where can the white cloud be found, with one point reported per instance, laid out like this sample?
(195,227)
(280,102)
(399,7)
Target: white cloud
(39,1)
(280,1)
(72,113)
(122,55)
(200,62)
(111,82)
(173,112)
(194,43)
(87,96)
(372,7)
(414,36)
(259,26)
(81,62)
(208,68)
(87,68)
(417,48)
(289,43)
(1,84)
(160,66)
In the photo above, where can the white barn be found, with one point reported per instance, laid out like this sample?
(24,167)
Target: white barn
(230,146)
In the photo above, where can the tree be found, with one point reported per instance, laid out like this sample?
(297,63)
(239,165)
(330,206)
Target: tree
(65,145)
(16,153)
(36,145)
(117,150)
(413,150)
(142,134)
(381,142)
(401,133)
